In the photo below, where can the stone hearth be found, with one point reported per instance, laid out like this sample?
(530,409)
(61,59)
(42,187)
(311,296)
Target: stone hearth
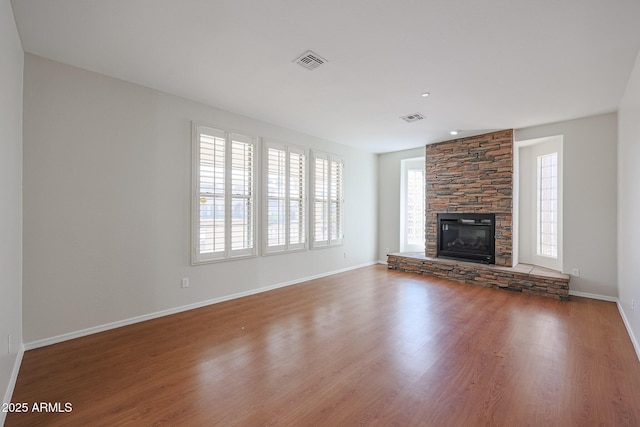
(523,278)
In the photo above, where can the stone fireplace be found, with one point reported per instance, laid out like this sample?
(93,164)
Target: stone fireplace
(468,181)
(472,175)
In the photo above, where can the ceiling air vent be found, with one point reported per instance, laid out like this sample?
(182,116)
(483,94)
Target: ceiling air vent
(412,117)
(310,60)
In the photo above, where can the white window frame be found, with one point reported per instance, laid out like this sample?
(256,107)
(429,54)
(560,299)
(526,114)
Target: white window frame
(321,218)
(227,252)
(287,196)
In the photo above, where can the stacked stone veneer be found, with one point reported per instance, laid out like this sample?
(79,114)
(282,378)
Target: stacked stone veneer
(524,279)
(472,175)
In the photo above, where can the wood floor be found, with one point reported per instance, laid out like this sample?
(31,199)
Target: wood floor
(366,347)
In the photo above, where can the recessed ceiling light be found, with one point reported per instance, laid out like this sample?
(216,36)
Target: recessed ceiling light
(425,94)
(454,132)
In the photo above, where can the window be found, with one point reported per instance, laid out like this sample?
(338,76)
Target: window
(412,205)
(328,200)
(547,230)
(538,208)
(285,198)
(223,219)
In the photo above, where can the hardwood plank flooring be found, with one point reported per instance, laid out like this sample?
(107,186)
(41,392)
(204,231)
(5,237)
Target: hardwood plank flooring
(365,347)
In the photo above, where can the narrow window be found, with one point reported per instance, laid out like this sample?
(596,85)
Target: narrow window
(547,178)
(285,194)
(223,195)
(412,205)
(415,208)
(328,200)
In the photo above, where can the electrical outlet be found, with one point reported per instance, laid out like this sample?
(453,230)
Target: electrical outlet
(345,254)
(386,251)
(633,304)
(9,344)
(185,282)
(575,272)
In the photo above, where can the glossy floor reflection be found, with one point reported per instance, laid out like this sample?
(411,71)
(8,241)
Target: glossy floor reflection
(367,347)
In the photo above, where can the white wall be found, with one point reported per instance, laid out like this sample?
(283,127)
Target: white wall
(589,149)
(629,203)
(107,183)
(11,61)
(389,191)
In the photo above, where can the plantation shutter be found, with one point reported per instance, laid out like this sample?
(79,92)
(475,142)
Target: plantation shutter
(224,195)
(336,201)
(328,200)
(285,205)
(297,198)
(211,193)
(276,198)
(242,195)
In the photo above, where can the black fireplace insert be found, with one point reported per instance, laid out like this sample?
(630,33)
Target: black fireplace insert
(467,237)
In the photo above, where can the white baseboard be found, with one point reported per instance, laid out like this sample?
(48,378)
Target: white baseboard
(383,262)
(627,325)
(593,296)
(125,322)
(12,382)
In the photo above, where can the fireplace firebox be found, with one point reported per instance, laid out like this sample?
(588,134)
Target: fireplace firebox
(467,237)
